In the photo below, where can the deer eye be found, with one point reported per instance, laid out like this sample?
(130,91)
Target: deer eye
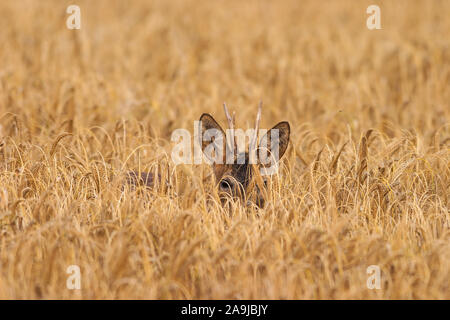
(225,185)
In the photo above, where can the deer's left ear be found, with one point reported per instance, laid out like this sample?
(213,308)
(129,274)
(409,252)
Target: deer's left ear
(278,136)
(215,137)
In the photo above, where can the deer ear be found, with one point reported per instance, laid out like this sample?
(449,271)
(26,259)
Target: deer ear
(277,137)
(211,132)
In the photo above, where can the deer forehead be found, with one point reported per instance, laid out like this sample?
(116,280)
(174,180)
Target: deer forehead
(240,172)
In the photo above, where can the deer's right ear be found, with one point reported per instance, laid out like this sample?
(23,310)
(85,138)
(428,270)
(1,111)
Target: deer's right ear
(212,136)
(281,133)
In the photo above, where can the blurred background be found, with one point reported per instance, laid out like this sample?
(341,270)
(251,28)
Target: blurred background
(166,62)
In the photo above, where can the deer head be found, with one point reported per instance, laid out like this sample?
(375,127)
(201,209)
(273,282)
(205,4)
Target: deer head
(238,173)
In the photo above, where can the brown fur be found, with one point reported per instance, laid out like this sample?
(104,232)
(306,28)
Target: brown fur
(135,179)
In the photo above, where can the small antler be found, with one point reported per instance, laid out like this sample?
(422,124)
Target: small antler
(255,135)
(231,120)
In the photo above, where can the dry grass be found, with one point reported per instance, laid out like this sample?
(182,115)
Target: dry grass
(364,182)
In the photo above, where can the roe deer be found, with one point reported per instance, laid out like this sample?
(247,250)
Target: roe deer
(239,178)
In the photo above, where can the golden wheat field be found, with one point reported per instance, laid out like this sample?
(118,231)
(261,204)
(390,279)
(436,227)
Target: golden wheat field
(365,180)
